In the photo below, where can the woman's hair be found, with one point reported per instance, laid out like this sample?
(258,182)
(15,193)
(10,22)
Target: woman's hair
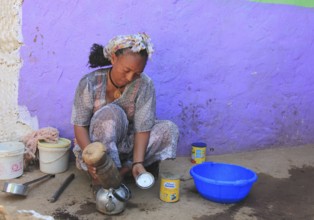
(97,59)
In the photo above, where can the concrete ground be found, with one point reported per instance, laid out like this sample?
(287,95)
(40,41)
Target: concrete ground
(284,190)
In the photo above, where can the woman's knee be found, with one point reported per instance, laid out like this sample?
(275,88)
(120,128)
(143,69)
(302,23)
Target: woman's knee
(110,119)
(173,127)
(110,111)
(168,128)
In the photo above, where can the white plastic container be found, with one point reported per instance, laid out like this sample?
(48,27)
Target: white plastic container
(54,157)
(11,160)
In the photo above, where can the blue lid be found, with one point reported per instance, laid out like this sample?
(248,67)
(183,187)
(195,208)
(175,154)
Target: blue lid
(199,144)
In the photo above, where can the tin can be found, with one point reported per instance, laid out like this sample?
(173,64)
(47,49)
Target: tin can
(198,152)
(169,187)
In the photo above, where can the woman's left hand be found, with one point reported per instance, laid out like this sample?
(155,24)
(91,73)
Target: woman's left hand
(137,169)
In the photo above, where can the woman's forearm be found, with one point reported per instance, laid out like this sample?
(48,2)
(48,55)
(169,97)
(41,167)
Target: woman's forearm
(82,136)
(140,145)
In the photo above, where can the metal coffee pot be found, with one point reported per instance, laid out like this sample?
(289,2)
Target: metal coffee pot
(112,201)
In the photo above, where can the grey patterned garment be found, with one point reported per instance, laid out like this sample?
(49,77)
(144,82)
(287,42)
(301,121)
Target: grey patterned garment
(115,124)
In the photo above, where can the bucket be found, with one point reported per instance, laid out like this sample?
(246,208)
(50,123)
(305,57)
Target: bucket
(169,187)
(11,160)
(198,152)
(54,157)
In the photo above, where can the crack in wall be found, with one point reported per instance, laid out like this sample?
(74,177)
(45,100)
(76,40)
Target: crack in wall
(11,127)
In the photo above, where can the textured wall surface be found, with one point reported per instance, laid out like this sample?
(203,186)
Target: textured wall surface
(235,74)
(12,127)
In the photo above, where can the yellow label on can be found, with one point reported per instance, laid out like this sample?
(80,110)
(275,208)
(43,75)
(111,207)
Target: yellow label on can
(169,190)
(198,154)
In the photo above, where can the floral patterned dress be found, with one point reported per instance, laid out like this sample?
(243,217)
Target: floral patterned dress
(114,124)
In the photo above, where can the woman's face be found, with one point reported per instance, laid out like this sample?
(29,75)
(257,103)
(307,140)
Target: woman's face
(127,67)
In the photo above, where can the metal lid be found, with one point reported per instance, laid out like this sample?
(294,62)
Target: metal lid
(169,176)
(199,144)
(145,180)
(11,148)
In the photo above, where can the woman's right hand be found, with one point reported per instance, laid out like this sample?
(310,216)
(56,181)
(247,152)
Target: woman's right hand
(81,136)
(92,171)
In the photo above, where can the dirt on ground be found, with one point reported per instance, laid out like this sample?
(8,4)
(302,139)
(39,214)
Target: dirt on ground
(284,190)
(272,198)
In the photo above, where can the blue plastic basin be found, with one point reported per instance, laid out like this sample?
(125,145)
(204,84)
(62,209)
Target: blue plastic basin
(222,182)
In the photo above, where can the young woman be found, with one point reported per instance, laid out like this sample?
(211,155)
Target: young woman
(116,105)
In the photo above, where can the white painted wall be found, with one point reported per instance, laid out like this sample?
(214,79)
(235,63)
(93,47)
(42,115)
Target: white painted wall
(15,121)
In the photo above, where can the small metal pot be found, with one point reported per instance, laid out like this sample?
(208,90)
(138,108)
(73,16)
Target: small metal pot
(22,189)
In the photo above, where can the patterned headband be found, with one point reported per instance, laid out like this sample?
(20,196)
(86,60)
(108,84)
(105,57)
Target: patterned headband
(136,42)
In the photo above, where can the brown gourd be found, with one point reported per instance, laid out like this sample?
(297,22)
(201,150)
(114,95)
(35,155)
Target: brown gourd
(95,154)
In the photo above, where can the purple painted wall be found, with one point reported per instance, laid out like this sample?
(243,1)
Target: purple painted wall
(237,75)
